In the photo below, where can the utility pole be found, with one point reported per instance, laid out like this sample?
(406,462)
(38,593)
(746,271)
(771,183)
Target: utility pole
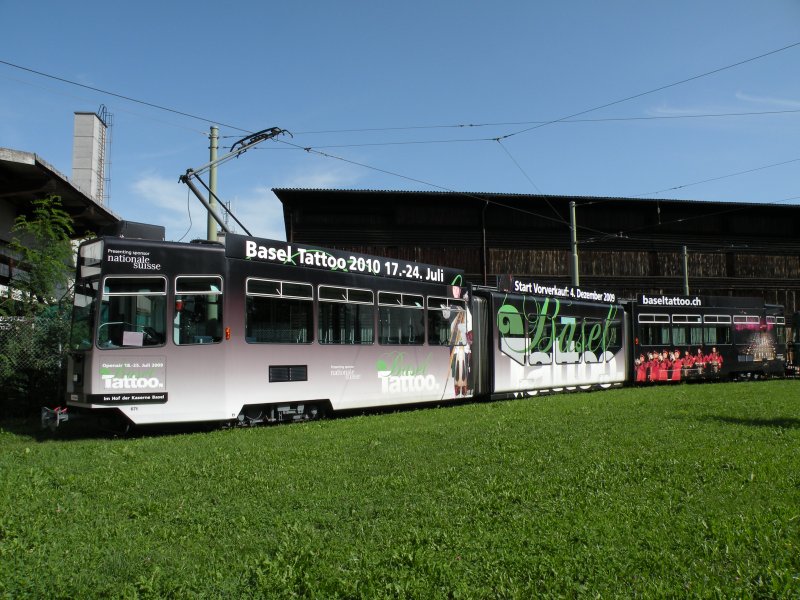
(237,149)
(574,243)
(685,272)
(484,259)
(212,184)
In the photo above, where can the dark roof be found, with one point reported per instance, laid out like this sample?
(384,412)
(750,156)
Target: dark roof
(25,177)
(471,219)
(520,196)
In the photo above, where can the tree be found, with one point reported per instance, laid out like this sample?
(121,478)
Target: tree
(44,247)
(36,324)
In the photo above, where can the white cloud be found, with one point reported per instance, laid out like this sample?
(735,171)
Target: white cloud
(778,103)
(667,111)
(325,176)
(761,103)
(164,202)
(261,212)
(167,194)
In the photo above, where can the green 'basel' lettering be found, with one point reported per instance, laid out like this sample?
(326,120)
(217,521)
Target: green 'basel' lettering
(394,363)
(544,327)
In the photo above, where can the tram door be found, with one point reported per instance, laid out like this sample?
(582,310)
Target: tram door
(195,362)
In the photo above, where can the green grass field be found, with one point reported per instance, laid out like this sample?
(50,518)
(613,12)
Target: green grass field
(691,490)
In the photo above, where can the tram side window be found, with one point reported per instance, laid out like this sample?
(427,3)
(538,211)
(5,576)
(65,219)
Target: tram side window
(541,345)
(716,330)
(83,307)
(133,312)
(569,340)
(198,310)
(653,330)
(447,322)
(613,336)
(744,326)
(593,340)
(512,338)
(401,319)
(717,335)
(610,338)
(346,316)
(780,329)
(279,312)
(685,330)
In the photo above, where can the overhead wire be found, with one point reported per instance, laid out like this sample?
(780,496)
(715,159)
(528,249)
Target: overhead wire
(625,234)
(406,143)
(122,96)
(519,166)
(564,121)
(685,219)
(115,107)
(189,214)
(537,125)
(494,139)
(536,187)
(606,105)
(654,90)
(685,185)
(311,150)
(605,235)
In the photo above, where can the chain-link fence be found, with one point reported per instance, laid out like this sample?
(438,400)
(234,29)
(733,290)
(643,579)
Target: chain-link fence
(32,356)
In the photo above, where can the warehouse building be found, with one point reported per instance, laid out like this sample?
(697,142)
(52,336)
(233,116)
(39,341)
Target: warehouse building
(627,245)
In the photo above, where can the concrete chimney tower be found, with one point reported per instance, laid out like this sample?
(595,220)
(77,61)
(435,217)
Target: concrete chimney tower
(89,154)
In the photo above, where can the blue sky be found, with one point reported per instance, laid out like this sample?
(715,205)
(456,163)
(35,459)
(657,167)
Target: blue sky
(411,71)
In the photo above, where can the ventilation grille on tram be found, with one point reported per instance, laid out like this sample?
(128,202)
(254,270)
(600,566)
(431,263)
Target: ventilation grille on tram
(284,373)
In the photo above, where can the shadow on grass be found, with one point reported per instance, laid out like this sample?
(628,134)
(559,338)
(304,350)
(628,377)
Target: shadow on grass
(31,428)
(91,428)
(779,422)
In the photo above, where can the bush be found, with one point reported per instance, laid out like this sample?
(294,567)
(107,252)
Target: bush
(32,356)
(34,317)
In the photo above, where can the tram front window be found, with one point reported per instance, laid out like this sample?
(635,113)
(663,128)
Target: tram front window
(133,312)
(83,308)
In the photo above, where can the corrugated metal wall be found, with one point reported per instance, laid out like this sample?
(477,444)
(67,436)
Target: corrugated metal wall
(625,245)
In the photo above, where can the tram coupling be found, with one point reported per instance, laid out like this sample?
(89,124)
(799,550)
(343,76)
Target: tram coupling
(51,418)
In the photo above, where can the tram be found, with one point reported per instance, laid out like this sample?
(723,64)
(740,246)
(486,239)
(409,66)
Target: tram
(252,330)
(695,338)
